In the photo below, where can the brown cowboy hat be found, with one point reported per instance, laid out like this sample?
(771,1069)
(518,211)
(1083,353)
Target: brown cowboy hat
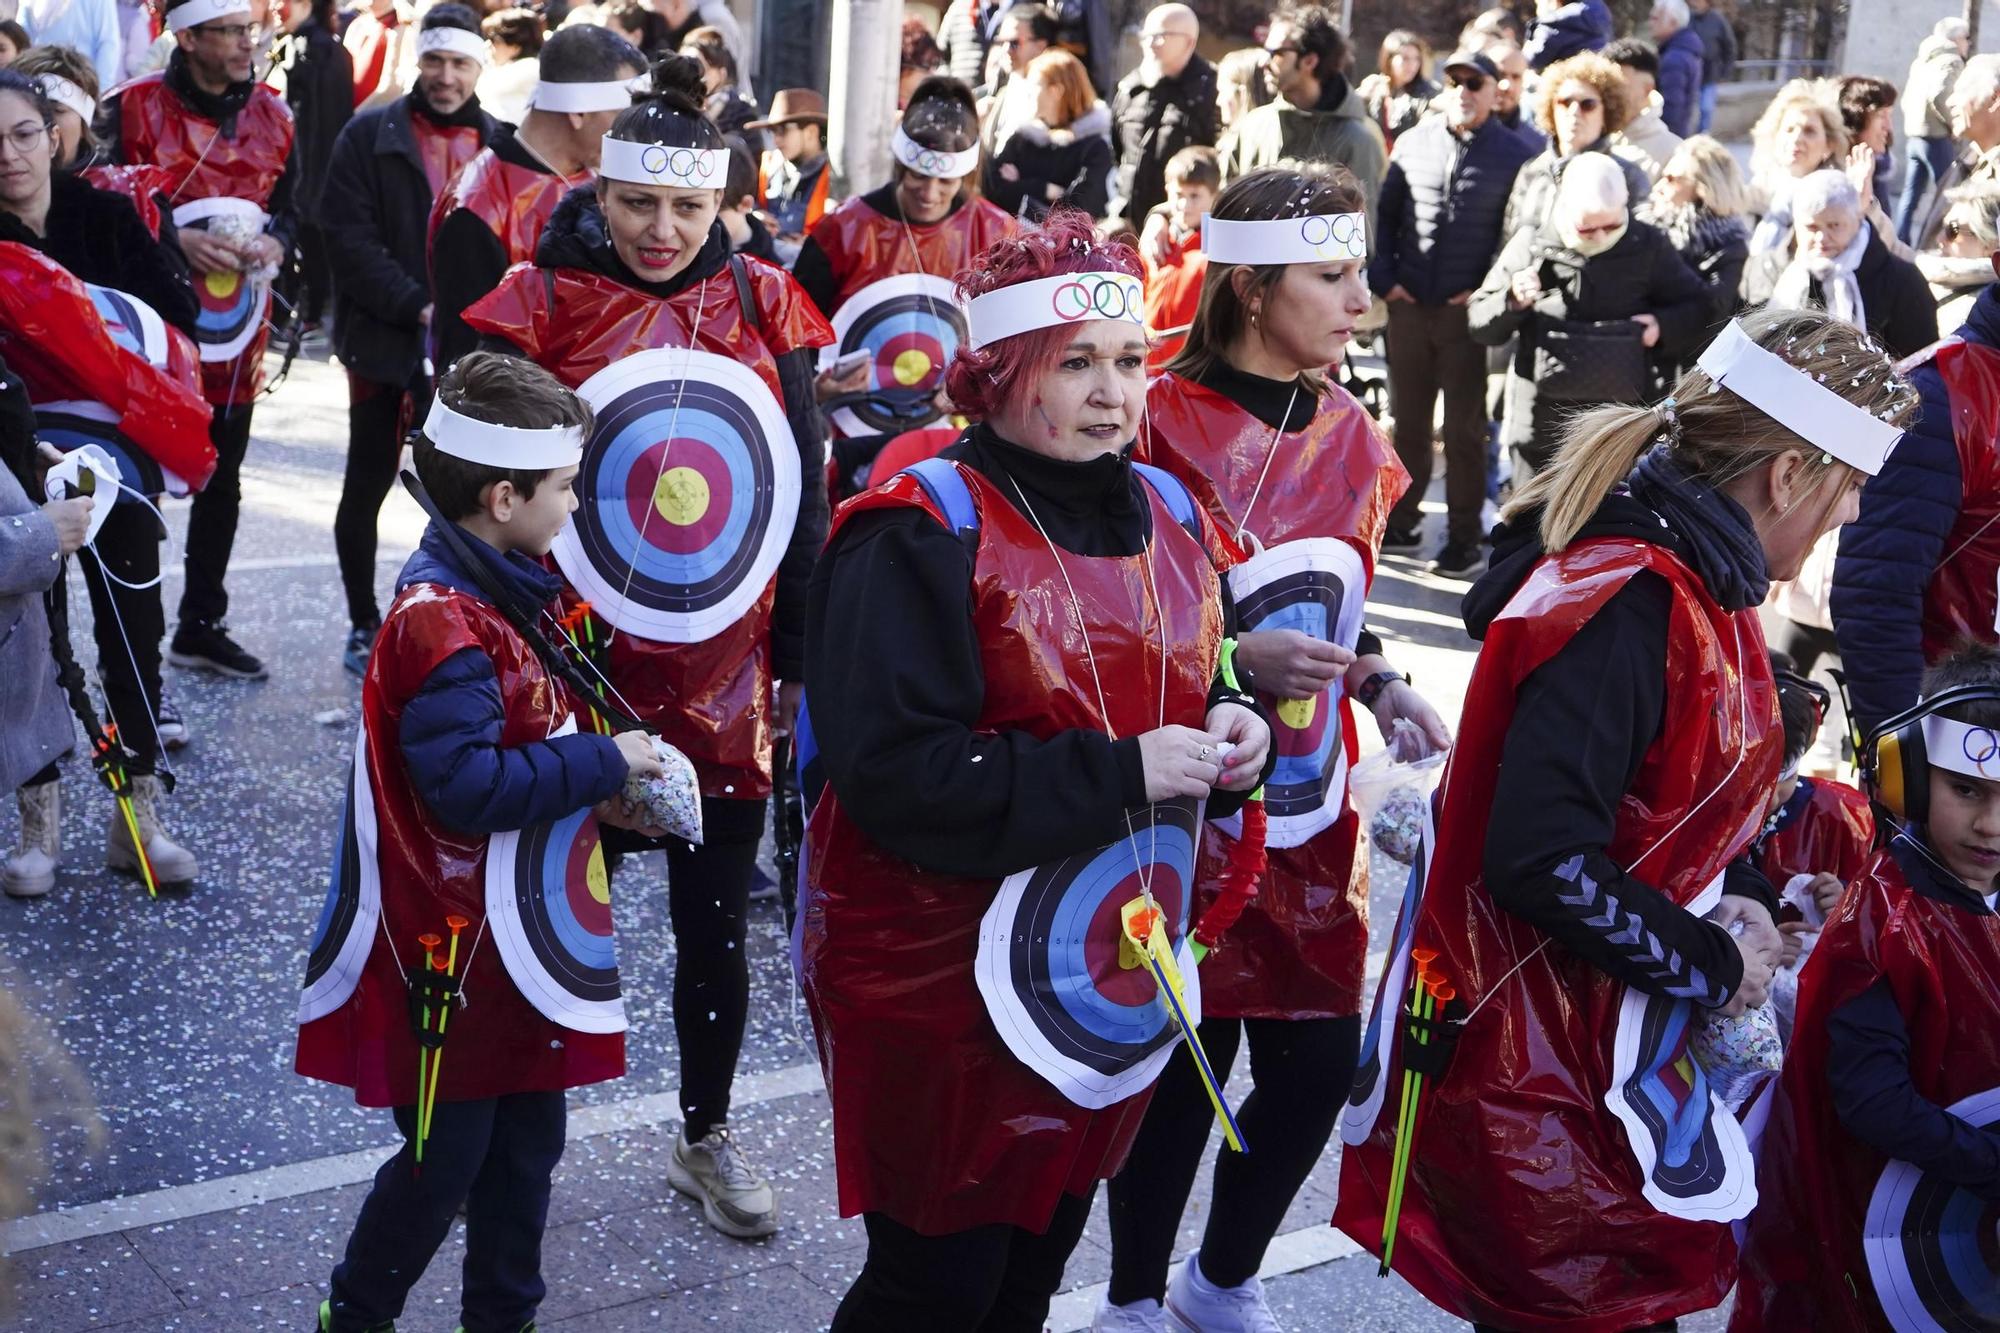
(790,106)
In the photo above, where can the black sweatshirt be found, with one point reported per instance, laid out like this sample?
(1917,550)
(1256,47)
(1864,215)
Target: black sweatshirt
(1581,727)
(894,675)
(97,235)
(467,260)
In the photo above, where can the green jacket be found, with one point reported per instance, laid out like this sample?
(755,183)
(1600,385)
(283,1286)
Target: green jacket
(1273,135)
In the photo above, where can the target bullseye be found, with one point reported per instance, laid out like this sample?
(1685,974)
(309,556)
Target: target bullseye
(231,305)
(909,326)
(1298,714)
(682,496)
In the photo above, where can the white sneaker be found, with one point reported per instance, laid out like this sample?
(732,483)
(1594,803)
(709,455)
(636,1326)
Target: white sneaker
(31,870)
(1145,1316)
(1194,1305)
(735,1199)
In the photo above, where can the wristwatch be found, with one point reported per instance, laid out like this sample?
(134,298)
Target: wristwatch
(1371,689)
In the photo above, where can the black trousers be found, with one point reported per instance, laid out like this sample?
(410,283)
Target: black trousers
(708,901)
(1303,1070)
(991,1279)
(376,425)
(212,519)
(496,1157)
(1430,352)
(129,547)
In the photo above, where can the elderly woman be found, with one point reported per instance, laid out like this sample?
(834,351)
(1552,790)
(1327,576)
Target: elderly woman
(1581,104)
(1962,265)
(1593,296)
(1698,203)
(1398,93)
(1799,133)
(1839,264)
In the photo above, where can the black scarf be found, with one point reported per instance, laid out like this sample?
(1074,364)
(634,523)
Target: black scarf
(1717,537)
(219,107)
(577,237)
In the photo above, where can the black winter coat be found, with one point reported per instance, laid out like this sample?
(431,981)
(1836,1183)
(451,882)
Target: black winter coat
(1150,122)
(319,87)
(376,216)
(1442,188)
(97,235)
(1077,161)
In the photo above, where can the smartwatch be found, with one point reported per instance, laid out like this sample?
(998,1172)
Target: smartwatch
(1371,689)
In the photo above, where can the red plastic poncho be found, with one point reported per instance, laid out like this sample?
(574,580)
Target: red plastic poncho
(1524,1205)
(1803,1265)
(497,1042)
(145,186)
(1300,946)
(1833,834)
(1965,589)
(708,699)
(863,246)
(156,128)
(1173,294)
(54,337)
(934,1122)
(514,202)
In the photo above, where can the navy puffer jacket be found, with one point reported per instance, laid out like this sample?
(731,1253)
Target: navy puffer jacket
(1440,189)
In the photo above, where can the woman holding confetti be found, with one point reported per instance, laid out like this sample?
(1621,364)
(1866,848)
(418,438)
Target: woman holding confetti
(1013,657)
(1587,924)
(1298,479)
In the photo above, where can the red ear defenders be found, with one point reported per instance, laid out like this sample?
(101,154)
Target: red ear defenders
(1895,764)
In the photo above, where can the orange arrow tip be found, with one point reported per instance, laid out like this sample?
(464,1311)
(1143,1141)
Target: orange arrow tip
(430,941)
(1444,994)
(1423,956)
(456,923)
(1428,980)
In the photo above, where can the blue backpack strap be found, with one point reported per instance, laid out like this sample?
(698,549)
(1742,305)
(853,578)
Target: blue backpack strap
(945,485)
(805,752)
(1173,493)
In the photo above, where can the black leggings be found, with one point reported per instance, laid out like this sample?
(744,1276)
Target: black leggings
(991,1279)
(708,897)
(375,425)
(1303,1070)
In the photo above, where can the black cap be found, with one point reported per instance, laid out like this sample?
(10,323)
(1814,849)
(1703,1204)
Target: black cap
(1473,60)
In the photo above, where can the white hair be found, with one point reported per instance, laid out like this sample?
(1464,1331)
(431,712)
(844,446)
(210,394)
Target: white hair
(1951,29)
(1823,191)
(1675,10)
(1979,80)
(1591,183)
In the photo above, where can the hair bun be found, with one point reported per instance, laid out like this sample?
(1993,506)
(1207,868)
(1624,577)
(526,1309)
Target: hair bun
(677,81)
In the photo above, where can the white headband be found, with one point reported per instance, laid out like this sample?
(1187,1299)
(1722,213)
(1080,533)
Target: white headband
(933,162)
(657,164)
(1973,751)
(1067,298)
(1316,238)
(66,94)
(196,12)
(453,41)
(1798,402)
(507,447)
(609,95)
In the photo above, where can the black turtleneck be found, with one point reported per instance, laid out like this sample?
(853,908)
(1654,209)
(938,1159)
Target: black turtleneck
(468,260)
(815,273)
(894,673)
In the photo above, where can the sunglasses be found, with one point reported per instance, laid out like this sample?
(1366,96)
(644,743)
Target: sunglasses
(1954,230)
(1472,83)
(1579,103)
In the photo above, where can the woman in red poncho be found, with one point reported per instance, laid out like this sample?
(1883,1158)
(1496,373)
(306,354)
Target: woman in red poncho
(685,481)
(1588,897)
(1299,480)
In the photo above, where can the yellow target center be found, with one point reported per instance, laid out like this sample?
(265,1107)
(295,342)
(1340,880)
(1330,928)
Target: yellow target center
(911,366)
(222,284)
(682,496)
(1298,713)
(594,876)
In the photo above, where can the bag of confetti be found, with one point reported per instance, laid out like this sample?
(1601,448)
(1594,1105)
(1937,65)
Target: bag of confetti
(1738,1053)
(1391,788)
(672,801)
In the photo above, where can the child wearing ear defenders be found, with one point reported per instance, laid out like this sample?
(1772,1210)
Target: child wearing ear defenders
(1898,1026)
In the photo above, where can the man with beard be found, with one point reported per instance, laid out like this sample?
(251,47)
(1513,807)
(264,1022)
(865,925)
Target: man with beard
(1317,117)
(388,166)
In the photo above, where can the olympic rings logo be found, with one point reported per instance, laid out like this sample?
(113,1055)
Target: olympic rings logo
(1987,742)
(931,162)
(691,165)
(1104,298)
(1343,233)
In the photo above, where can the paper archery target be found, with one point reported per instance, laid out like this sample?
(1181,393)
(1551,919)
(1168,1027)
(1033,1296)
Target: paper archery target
(232,305)
(1316,586)
(1049,969)
(1930,1244)
(548,901)
(909,325)
(347,919)
(1364,1103)
(690,487)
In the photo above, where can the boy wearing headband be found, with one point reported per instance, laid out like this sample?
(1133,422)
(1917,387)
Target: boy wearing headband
(464,736)
(1883,1114)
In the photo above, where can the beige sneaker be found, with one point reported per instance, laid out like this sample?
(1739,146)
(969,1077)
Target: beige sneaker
(31,870)
(172,863)
(735,1199)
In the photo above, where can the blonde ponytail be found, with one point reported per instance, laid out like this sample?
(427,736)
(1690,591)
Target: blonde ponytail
(1600,449)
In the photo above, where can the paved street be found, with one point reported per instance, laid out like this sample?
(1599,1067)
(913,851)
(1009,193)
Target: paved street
(201,1185)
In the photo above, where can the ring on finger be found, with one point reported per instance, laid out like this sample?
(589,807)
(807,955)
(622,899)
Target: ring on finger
(1205,753)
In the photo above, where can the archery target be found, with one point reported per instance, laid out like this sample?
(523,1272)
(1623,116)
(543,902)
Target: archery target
(1930,1245)
(347,919)
(690,489)
(1048,963)
(909,325)
(1317,586)
(68,425)
(232,305)
(548,900)
(132,324)
(1364,1103)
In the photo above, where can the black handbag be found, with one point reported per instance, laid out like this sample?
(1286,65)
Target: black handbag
(1590,361)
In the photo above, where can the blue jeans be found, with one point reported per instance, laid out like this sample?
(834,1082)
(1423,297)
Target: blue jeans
(1708,91)
(1928,159)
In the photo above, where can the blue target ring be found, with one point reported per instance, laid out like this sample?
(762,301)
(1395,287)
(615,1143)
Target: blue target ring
(68,431)
(1065,961)
(572,944)
(910,326)
(1929,1244)
(1309,601)
(625,457)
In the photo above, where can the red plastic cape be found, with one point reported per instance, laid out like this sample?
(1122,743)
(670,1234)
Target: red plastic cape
(708,698)
(934,1122)
(157,129)
(863,246)
(1524,1206)
(1803,1264)
(1173,294)
(514,202)
(497,1043)
(1300,946)
(145,186)
(443,150)
(1960,602)
(1834,834)
(53,337)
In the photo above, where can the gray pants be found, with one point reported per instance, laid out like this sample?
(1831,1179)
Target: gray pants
(1430,352)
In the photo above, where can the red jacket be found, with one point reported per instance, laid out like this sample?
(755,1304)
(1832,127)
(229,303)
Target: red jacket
(514,202)
(935,1122)
(1963,593)
(863,246)
(1173,293)
(1526,1205)
(1299,948)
